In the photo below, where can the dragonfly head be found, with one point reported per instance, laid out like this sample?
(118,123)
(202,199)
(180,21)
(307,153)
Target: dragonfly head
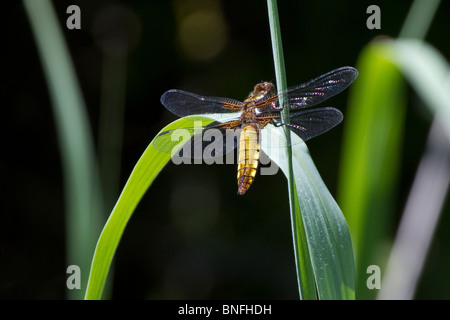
(262,90)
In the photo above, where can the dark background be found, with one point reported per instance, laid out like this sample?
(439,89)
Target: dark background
(191,235)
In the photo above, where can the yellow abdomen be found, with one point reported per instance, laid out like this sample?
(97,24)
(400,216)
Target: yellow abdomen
(248,157)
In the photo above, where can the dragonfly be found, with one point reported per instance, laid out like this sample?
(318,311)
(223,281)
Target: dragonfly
(245,120)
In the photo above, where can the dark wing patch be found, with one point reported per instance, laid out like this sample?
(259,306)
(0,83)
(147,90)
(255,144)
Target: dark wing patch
(183,103)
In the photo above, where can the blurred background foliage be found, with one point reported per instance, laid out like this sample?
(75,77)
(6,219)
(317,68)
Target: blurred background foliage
(127,54)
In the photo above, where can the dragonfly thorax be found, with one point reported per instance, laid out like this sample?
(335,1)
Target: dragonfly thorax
(260,92)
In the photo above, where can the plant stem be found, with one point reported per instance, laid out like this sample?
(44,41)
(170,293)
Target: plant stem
(305,277)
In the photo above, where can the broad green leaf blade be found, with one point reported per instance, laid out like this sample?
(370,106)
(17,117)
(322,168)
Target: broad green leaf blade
(326,231)
(143,174)
(371,152)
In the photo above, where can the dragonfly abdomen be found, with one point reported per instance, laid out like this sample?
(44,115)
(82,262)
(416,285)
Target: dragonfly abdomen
(248,157)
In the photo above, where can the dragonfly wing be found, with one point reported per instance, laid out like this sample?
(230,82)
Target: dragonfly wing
(310,123)
(211,141)
(321,88)
(183,103)
(313,92)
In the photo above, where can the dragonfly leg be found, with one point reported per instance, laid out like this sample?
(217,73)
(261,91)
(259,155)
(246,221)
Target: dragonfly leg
(277,124)
(290,125)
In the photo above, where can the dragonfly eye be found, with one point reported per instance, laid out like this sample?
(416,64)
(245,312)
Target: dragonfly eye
(262,90)
(268,87)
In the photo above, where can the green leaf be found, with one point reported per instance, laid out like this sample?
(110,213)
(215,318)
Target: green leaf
(373,135)
(83,202)
(427,70)
(147,168)
(322,245)
(373,139)
(326,231)
(429,74)
(305,275)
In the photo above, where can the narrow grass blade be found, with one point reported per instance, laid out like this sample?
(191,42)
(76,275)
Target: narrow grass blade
(419,219)
(82,190)
(305,276)
(419,18)
(142,176)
